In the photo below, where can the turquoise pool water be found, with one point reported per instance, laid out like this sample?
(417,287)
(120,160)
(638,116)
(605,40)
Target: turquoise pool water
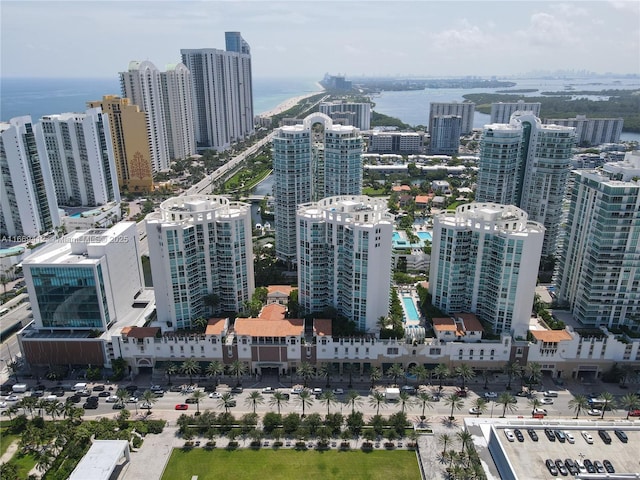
(7,252)
(424,236)
(411,310)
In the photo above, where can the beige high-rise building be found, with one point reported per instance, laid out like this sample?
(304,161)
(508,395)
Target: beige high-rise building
(131,148)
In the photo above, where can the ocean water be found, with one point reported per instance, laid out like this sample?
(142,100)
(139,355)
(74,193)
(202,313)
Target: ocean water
(45,96)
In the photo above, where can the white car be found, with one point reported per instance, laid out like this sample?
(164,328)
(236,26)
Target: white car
(145,405)
(12,398)
(490,395)
(132,400)
(569,436)
(3,404)
(546,401)
(509,434)
(297,389)
(587,437)
(215,395)
(338,391)
(475,411)
(317,391)
(268,390)
(539,411)
(112,399)
(594,412)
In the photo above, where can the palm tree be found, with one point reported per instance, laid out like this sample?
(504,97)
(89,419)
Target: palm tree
(377,399)
(513,369)
(630,402)
(465,372)
(578,403)
(122,395)
(305,400)
(442,372)
(405,400)
(465,439)
(305,371)
(609,399)
(424,399)
(395,371)
(508,402)
(325,372)
(329,398)
(354,399)
(170,370)
(348,368)
(254,399)
(486,374)
(534,403)
(29,404)
(197,396)
(238,368)
(480,405)
(200,323)
(215,369)
(226,401)
(149,399)
(278,399)
(190,367)
(444,439)
(455,402)
(374,375)
(533,373)
(421,373)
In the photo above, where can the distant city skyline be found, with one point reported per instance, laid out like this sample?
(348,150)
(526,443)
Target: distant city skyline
(306,39)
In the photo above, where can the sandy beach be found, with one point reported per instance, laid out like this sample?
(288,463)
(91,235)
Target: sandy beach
(287,104)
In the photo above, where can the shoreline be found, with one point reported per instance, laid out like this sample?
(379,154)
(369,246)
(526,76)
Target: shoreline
(289,103)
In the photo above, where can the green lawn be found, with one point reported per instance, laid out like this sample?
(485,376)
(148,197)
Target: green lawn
(267,464)
(6,439)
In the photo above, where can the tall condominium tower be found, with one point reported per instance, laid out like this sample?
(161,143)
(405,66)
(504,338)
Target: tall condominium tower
(79,150)
(128,128)
(361,112)
(527,164)
(344,258)
(178,109)
(599,266)
(463,110)
(592,131)
(201,258)
(445,134)
(222,93)
(310,164)
(141,84)
(501,111)
(86,281)
(484,260)
(27,192)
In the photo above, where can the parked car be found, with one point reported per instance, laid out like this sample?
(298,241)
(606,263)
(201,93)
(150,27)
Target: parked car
(132,400)
(532,433)
(190,400)
(589,466)
(12,398)
(621,435)
(594,412)
(634,413)
(518,435)
(104,394)
(409,389)
(560,436)
(182,406)
(74,399)
(98,388)
(118,406)
(561,468)
(509,434)
(89,405)
(462,393)
(608,466)
(539,411)
(581,466)
(604,435)
(522,393)
(569,436)
(546,401)
(550,394)
(475,411)
(175,389)
(571,466)
(338,391)
(272,390)
(550,435)
(599,466)
(553,470)
(587,437)
(490,395)
(236,389)
(215,395)
(146,405)
(112,399)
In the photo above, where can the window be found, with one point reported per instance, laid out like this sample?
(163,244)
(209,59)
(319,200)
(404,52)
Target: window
(392,351)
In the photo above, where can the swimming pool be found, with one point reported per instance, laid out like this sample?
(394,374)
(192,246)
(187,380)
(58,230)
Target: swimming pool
(410,310)
(424,236)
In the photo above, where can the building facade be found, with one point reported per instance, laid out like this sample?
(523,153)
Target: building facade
(484,260)
(201,257)
(222,93)
(178,109)
(501,111)
(527,164)
(592,131)
(445,134)
(396,142)
(309,165)
(463,110)
(80,154)
(599,268)
(130,140)
(27,192)
(361,112)
(344,258)
(141,84)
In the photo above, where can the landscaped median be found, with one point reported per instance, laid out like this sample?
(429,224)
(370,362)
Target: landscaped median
(285,464)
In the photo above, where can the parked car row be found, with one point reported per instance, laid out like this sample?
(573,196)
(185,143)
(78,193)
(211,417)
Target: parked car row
(576,467)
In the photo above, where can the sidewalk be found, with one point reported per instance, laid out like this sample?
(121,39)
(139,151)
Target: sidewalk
(149,461)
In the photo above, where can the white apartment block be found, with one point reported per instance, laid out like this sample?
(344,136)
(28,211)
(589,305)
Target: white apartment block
(308,166)
(79,151)
(141,84)
(222,93)
(599,267)
(178,108)
(344,258)
(201,257)
(592,131)
(527,164)
(463,110)
(396,142)
(361,112)
(484,260)
(445,133)
(501,111)
(27,192)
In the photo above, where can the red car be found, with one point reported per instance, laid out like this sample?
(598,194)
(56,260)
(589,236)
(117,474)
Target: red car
(461,393)
(634,413)
(182,406)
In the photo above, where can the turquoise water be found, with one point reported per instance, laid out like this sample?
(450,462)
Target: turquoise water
(11,251)
(410,309)
(424,236)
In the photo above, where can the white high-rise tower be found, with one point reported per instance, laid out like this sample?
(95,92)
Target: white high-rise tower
(178,108)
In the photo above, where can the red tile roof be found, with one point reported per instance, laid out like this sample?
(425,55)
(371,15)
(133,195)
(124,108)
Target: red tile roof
(259,327)
(140,332)
(322,327)
(216,326)
(551,336)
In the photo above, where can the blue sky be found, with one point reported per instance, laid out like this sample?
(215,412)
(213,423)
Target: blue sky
(308,38)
